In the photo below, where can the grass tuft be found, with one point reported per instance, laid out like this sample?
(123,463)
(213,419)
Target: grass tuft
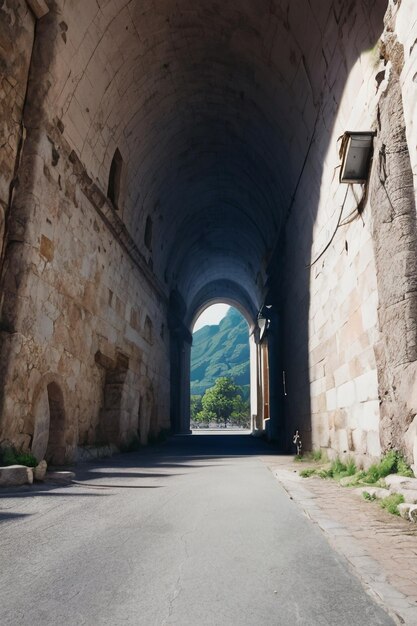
(368,496)
(390,503)
(392,463)
(306,473)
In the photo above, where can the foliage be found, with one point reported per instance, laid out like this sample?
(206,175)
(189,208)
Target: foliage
(368,496)
(195,405)
(317,455)
(390,503)
(337,470)
(11,456)
(392,463)
(309,471)
(222,403)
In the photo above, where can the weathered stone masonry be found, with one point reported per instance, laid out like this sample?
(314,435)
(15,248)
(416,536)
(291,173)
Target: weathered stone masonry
(78,301)
(156,156)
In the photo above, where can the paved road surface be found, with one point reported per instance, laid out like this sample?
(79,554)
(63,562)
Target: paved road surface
(195,532)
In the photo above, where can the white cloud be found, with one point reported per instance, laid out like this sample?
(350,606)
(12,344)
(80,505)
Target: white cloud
(212,315)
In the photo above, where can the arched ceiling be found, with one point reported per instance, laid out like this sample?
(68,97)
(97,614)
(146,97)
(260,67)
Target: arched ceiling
(212,106)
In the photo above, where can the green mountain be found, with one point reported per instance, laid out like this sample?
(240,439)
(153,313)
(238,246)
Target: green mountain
(221,350)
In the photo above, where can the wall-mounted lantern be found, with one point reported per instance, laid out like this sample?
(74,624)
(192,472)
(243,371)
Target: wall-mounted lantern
(356,154)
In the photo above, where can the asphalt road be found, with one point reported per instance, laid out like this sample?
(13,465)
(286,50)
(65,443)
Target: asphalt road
(195,532)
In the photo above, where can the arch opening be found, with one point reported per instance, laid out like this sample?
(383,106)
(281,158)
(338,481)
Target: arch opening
(220,370)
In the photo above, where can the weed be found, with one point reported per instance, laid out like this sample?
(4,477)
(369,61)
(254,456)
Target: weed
(339,470)
(368,496)
(317,455)
(306,473)
(351,468)
(403,468)
(11,456)
(325,473)
(390,503)
(392,463)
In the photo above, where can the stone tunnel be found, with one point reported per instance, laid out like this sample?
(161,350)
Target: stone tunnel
(159,156)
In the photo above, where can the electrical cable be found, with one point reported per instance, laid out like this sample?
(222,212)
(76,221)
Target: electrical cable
(333,235)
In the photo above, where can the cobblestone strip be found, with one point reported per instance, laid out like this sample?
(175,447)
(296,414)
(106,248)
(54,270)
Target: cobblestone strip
(380,548)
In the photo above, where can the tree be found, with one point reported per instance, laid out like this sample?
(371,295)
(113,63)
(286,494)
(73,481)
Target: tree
(195,406)
(222,401)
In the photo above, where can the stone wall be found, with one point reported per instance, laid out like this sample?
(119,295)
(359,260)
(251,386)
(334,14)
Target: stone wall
(16,39)
(84,344)
(330,297)
(357,394)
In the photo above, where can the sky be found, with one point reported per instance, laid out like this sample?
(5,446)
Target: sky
(212,315)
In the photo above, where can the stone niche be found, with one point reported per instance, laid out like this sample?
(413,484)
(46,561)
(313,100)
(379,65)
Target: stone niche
(53,436)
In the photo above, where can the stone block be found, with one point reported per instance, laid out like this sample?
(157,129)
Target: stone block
(368,416)
(410,495)
(369,312)
(343,441)
(366,386)
(359,441)
(373,444)
(15,475)
(412,513)
(396,482)
(346,394)
(39,471)
(377,492)
(331,400)
(404,510)
(341,375)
